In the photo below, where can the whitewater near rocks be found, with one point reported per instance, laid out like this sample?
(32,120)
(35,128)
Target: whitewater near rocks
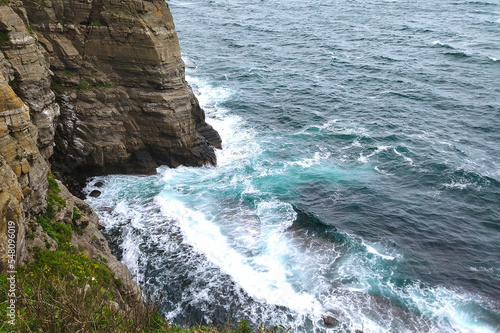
(358,177)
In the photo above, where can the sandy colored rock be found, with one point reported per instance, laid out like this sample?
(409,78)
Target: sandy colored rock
(29,74)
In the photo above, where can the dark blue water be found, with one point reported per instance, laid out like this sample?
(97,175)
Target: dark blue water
(360,175)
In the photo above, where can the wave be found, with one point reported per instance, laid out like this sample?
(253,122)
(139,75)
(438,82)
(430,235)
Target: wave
(407,159)
(209,95)
(454,52)
(308,162)
(364,158)
(371,250)
(438,43)
(482,3)
(376,168)
(458,54)
(264,275)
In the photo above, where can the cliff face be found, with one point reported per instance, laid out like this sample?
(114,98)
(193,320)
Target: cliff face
(94,87)
(23,172)
(26,67)
(119,81)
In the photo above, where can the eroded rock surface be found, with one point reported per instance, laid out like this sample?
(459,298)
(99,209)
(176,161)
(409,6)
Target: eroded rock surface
(125,106)
(94,87)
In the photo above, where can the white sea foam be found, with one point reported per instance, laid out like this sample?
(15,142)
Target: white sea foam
(376,168)
(439,43)
(458,185)
(407,159)
(264,276)
(372,250)
(448,309)
(364,158)
(238,141)
(317,158)
(190,65)
(445,304)
(209,95)
(131,254)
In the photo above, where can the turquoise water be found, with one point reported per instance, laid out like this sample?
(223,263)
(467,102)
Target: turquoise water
(360,175)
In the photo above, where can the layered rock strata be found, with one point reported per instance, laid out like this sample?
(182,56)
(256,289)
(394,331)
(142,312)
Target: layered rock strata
(125,106)
(23,192)
(93,87)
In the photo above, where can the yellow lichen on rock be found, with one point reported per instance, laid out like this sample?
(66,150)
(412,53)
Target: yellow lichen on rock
(8,98)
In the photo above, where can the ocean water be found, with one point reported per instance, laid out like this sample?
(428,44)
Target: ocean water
(360,175)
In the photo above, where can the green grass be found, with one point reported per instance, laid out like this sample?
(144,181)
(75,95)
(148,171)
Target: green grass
(60,232)
(76,214)
(83,85)
(63,291)
(54,201)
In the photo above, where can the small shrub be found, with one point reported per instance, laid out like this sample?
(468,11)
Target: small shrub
(76,214)
(106,85)
(54,199)
(67,73)
(243,327)
(53,186)
(83,85)
(18,157)
(97,23)
(59,232)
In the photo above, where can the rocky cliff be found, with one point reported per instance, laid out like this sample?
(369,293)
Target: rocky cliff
(88,87)
(118,78)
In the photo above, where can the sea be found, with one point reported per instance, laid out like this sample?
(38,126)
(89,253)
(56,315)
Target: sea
(359,177)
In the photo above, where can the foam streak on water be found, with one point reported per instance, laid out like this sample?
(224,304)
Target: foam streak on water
(359,176)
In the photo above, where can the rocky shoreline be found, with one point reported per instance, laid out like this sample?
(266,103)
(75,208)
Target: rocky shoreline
(88,88)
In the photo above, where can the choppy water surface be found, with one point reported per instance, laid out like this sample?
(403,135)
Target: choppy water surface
(360,175)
